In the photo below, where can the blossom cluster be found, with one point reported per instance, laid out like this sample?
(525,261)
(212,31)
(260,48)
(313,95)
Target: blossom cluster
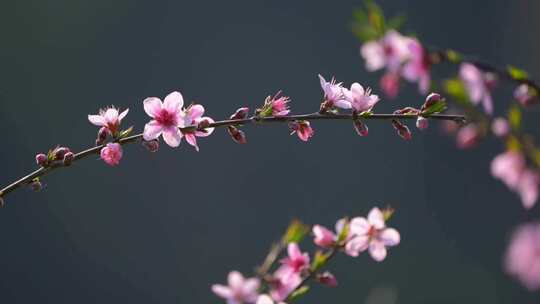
(352,237)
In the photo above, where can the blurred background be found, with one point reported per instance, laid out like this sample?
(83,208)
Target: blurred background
(163,227)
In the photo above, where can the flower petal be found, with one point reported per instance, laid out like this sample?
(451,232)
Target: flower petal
(357,90)
(195,112)
(294,251)
(192,140)
(172,136)
(222,291)
(123,114)
(390,237)
(377,250)
(152,106)
(359,226)
(376,218)
(152,130)
(235,280)
(97,120)
(265,299)
(173,102)
(356,245)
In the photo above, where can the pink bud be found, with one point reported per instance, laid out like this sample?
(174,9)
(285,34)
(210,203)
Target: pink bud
(60,152)
(237,135)
(323,236)
(526,95)
(35,185)
(241,113)
(422,123)
(431,99)
(102,135)
(68,158)
(204,123)
(42,160)
(360,128)
(151,145)
(327,278)
(402,130)
(112,154)
(500,127)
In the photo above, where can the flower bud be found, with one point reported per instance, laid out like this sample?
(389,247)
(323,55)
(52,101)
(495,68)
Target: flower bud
(237,135)
(111,154)
(327,278)
(42,159)
(241,113)
(68,158)
(422,123)
(204,123)
(526,95)
(102,136)
(60,152)
(151,145)
(36,185)
(360,128)
(402,130)
(431,99)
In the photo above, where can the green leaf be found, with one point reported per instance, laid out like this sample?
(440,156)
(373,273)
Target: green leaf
(455,88)
(295,232)
(435,108)
(298,293)
(376,17)
(318,260)
(514,117)
(453,56)
(516,73)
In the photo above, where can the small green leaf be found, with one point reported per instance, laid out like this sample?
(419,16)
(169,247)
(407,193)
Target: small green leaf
(298,293)
(453,56)
(516,73)
(435,108)
(318,260)
(295,232)
(125,133)
(514,117)
(455,88)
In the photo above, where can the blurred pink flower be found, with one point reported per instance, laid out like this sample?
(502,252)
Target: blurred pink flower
(508,167)
(528,188)
(167,118)
(390,84)
(193,118)
(478,84)
(108,118)
(468,136)
(111,154)
(361,100)
(296,261)
(302,128)
(390,52)
(323,236)
(416,69)
(522,258)
(284,282)
(333,93)
(500,127)
(372,234)
(526,95)
(239,289)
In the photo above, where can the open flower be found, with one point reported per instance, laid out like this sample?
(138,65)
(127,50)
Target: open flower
(302,128)
(111,154)
(333,94)
(108,118)
(296,261)
(417,67)
(390,52)
(167,118)
(239,290)
(193,118)
(523,256)
(478,85)
(361,100)
(372,234)
(275,106)
(323,237)
(283,283)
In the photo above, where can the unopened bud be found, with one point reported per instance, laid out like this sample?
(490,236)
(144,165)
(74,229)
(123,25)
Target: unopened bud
(241,113)
(68,158)
(60,152)
(360,128)
(327,278)
(151,145)
(526,95)
(422,123)
(431,99)
(42,159)
(102,136)
(35,185)
(203,124)
(237,135)
(402,130)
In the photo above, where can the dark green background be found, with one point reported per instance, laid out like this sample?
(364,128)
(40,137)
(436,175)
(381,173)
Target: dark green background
(161,228)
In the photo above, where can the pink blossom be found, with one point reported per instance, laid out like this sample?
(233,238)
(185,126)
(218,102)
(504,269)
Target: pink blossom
(361,100)
(528,188)
(508,167)
(327,278)
(111,154)
(333,94)
(108,118)
(193,118)
(323,236)
(390,84)
(522,258)
(371,234)
(167,116)
(284,282)
(296,261)
(500,127)
(275,106)
(239,290)
(422,123)
(302,128)
(526,95)
(417,67)
(478,85)
(468,136)
(390,52)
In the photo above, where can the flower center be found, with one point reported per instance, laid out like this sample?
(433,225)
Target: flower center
(166,118)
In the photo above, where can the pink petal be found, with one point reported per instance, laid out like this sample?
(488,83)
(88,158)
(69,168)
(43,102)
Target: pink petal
(373,54)
(265,299)
(390,237)
(192,140)
(152,130)
(222,291)
(359,226)
(357,90)
(111,115)
(376,218)
(195,112)
(377,250)
(294,251)
(235,280)
(152,106)
(356,245)
(250,287)
(340,225)
(173,102)
(487,103)
(206,131)
(97,120)
(342,104)
(123,114)
(172,136)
